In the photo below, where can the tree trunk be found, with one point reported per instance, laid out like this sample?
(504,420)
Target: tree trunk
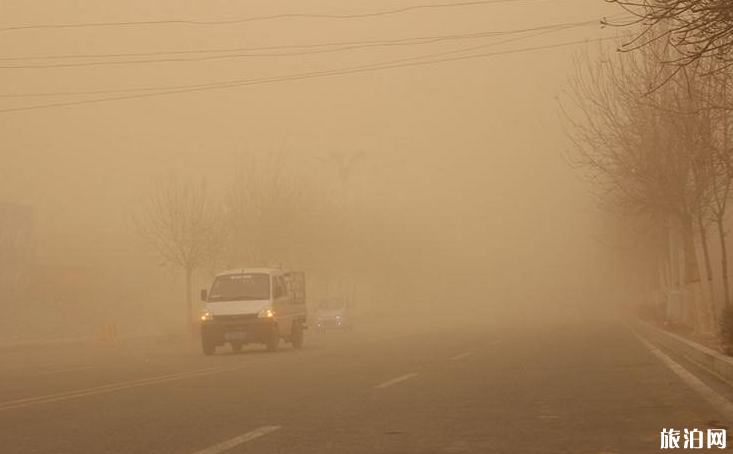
(724,262)
(189,304)
(680,310)
(706,255)
(701,314)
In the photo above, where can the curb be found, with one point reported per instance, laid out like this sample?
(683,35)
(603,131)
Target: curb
(708,359)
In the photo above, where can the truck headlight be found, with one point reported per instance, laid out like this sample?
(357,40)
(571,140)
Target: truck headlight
(266,313)
(207,316)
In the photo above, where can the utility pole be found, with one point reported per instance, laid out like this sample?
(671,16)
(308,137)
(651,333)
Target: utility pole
(344,163)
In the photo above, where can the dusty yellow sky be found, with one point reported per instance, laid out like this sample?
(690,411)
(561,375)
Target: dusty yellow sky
(467,153)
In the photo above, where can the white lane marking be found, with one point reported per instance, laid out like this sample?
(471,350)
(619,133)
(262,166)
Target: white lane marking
(62,371)
(236,441)
(715,399)
(394,381)
(461,356)
(28,401)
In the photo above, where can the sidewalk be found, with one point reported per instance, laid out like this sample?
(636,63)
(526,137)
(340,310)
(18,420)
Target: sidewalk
(703,356)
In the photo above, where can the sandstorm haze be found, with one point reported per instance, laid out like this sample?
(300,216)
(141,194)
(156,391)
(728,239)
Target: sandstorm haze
(462,176)
(396,226)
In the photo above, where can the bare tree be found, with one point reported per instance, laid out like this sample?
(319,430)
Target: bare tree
(707,131)
(720,166)
(636,148)
(694,126)
(262,207)
(696,28)
(181,222)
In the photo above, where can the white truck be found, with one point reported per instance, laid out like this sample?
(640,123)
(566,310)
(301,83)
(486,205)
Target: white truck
(254,305)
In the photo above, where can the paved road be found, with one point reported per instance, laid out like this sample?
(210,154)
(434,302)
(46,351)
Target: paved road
(449,387)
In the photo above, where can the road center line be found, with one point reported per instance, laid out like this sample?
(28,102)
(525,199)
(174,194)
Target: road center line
(394,381)
(715,399)
(461,356)
(66,395)
(61,371)
(236,441)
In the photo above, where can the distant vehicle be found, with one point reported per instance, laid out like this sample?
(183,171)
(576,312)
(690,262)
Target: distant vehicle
(334,313)
(254,306)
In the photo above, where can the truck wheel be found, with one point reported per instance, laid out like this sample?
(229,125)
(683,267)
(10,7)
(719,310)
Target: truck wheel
(296,337)
(274,341)
(237,346)
(208,348)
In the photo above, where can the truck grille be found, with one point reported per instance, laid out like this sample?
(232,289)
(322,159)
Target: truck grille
(234,317)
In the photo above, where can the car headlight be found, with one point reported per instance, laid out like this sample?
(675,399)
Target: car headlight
(207,316)
(266,313)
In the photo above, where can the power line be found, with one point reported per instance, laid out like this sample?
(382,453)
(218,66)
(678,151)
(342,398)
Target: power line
(298,46)
(332,49)
(261,81)
(183,87)
(267,17)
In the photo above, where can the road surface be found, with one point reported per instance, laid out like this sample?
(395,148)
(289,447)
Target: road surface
(437,387)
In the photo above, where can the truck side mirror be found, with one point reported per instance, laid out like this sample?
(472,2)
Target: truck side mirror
(203,294)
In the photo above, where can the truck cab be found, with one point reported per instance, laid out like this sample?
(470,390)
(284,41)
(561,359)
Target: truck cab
(254,305)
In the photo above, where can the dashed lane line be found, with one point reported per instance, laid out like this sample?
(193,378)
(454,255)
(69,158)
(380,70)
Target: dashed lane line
(236,441)
(461,356)
(394,381)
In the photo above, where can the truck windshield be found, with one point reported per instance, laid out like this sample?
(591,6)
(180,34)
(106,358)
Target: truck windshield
(234,287)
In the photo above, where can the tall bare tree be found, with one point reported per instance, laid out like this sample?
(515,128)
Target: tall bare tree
(181,222)
(636,147)
(707,129)
(263,211)
(720,164)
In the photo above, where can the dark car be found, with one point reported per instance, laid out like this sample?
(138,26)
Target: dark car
(334,313)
